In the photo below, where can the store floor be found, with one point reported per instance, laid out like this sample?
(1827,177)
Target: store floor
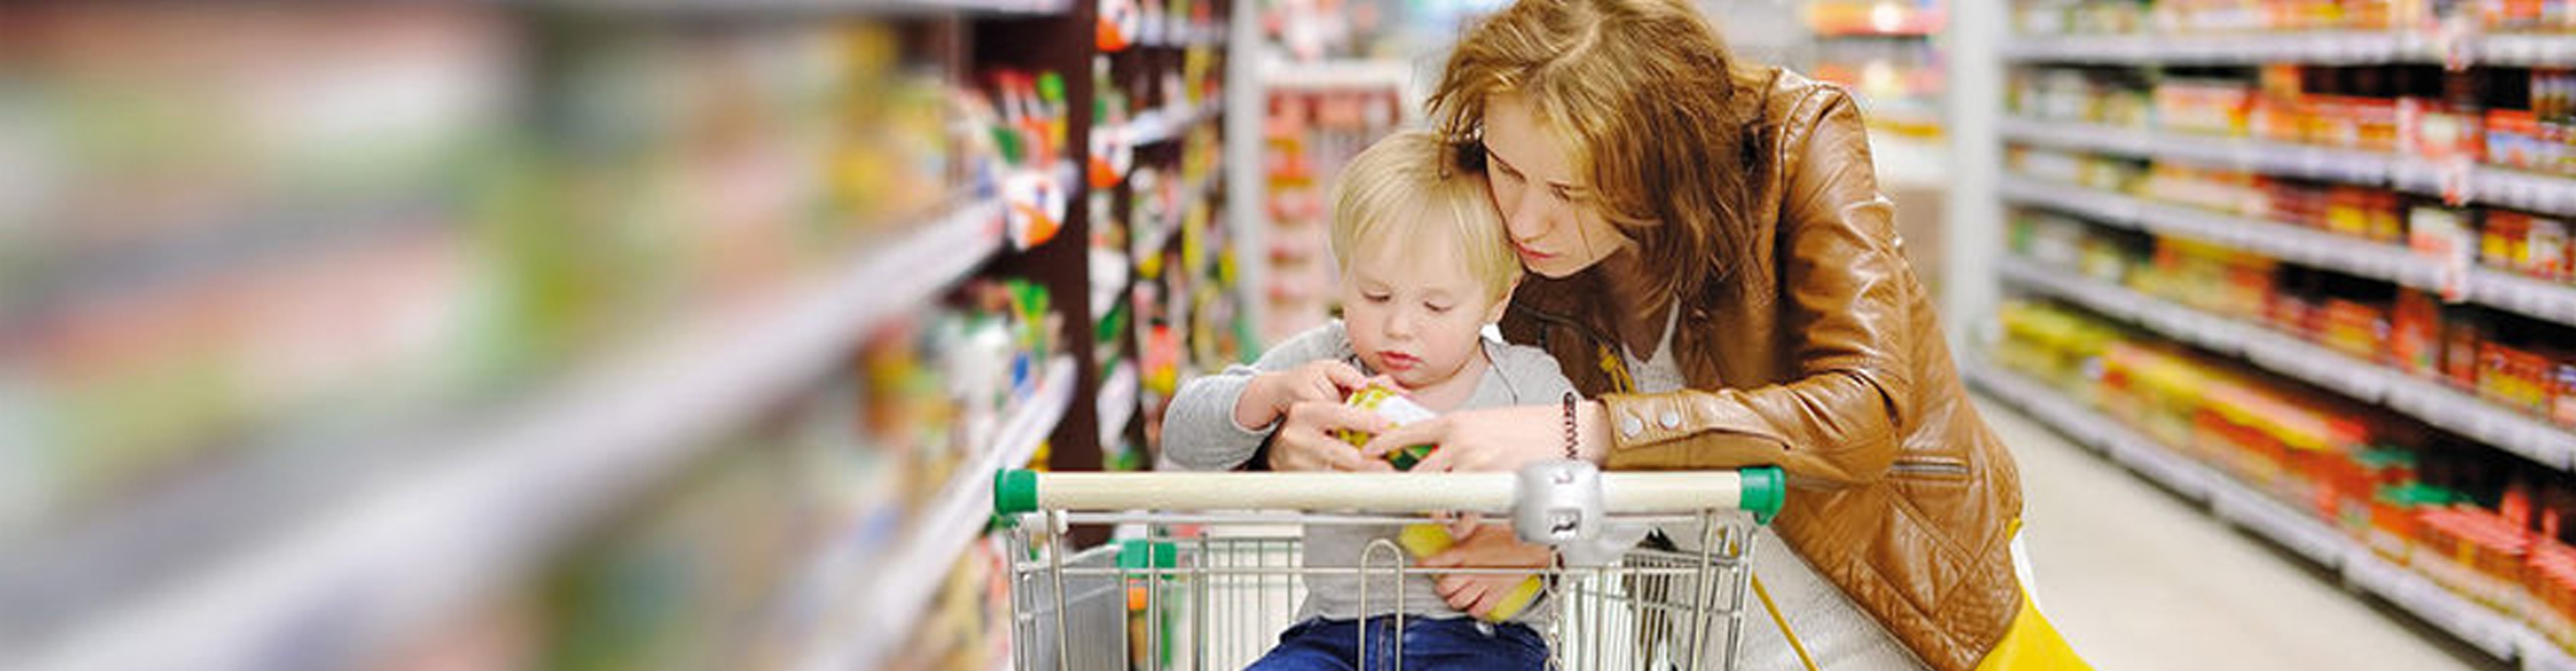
(2137,578)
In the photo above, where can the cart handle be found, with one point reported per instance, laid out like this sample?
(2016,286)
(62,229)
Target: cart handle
(1760,491)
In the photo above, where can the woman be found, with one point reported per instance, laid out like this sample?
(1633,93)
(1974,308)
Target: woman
(1714,265)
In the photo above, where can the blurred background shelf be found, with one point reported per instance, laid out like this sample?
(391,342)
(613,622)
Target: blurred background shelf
(900,587)
(478,503)
(2363,381)
(2365,572)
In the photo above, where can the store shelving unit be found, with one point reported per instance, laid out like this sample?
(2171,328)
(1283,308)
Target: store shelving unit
(2295,244)
(2115,62)
(960,513)
(1183,139)
(2237,504)
(2423,399)
(2548,194)
(2322,48)
(426,522)
(398,554)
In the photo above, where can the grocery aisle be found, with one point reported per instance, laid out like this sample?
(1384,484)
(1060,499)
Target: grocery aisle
(2136,578)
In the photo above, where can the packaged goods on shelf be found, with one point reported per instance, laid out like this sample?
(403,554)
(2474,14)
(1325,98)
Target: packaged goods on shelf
(2514,363)
(2484,526)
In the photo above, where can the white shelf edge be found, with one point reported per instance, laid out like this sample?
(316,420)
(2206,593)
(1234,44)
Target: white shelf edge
(2273,158)
(2488,631)
(1117,403)
(2529,297)
(2520,190)
(2494,186)
(904,584)
(487,500)
(1160,125)
(2318,47)
(2493,633)
(2297,245)
(2368,382)
(1343,74)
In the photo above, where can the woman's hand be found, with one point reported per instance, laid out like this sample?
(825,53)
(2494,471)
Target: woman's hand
(1495,439)
(1489,546)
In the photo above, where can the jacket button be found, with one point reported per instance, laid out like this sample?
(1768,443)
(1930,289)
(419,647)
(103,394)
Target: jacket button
(1670,419)
(1631,426)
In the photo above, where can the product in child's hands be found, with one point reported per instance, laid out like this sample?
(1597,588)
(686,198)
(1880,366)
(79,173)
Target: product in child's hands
(1424,540)
(1398,411)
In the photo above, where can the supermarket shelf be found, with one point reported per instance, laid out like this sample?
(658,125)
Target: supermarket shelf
(2501,187)
(2536,298)
(2555,51)
(1117,402)
(2275,158)
(2363,381)
(2501,637)
(2515,189)
(1167,34)
(898,588)
(1368,74)
(2328,48)
(1160,125)
(482,501)
(2295,244)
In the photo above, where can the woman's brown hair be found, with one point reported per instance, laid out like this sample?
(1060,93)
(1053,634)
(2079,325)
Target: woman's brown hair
(1647,95)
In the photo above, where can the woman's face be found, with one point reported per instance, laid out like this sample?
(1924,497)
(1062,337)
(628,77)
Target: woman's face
(1553,224)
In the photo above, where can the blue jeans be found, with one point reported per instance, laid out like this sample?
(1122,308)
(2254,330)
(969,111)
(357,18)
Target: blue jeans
(1429,645)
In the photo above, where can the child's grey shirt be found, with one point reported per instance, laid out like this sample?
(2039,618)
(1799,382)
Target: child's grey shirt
(1199,433)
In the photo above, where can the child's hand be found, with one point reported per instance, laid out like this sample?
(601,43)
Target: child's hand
(1489,546)
(1270,395)
(1306,441)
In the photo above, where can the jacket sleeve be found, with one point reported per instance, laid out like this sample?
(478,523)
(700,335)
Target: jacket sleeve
(1844,285)
(1199,431)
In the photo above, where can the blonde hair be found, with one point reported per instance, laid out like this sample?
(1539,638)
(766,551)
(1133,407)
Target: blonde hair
(1406,182)
(1647,97)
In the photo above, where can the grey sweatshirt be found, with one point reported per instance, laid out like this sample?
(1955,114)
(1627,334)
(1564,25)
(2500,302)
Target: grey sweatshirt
(1199,433)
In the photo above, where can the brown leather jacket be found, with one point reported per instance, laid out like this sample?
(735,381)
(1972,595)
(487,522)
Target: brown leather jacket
(1838,373)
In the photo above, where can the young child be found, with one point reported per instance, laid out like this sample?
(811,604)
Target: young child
(1425,266)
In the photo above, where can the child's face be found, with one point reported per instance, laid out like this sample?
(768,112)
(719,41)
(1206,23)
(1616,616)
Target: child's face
(1413,310)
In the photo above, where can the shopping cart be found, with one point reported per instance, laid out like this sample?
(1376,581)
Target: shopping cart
(1209,572)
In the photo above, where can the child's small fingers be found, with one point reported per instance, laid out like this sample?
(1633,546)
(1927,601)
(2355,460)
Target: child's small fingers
(1449,585)
(1344,376)
(1464,525)
(1477,599)
(1486,600)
